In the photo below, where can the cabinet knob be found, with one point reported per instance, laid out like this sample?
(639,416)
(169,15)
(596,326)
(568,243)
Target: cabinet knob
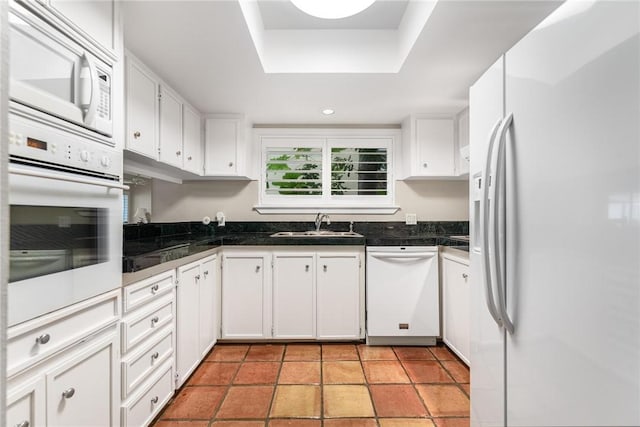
(324,267)
(197,277)
(206,273)
(465,276)
(155,355)
(178,153)
(155,400)
(25,423)
(137,134)
(230,164)
(257,268)
(189,158)
(424,165)
(306,268)
(154,320)
(154,288)
(68,393)
(43,339)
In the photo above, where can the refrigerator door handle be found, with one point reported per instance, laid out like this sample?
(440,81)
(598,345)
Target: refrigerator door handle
(497,220)
(484,229)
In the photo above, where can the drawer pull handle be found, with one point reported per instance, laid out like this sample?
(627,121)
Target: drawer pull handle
(68,393)
(155,355)
(155,400)
(25,423)
(155,288)
(465,276)
(43,339)
(154,320)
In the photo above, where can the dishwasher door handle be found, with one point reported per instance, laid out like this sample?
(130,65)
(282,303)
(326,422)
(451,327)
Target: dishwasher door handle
(395,255)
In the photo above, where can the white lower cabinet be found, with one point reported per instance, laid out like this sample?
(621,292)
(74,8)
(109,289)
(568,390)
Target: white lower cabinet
(148,343)
(197,315)
(77,383)
(245,295)
(26,404)
(339,291)
(308,293)
(456,309)
(294,302)
(80,390)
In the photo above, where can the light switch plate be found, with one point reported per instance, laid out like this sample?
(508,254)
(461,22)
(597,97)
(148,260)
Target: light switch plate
(411,219)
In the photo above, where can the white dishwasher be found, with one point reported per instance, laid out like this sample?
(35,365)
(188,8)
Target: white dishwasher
(403,298)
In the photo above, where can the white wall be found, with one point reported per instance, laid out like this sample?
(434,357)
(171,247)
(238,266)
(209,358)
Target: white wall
(430,200)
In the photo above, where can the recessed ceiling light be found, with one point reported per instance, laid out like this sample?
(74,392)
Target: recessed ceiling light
(328,111)
(332,9)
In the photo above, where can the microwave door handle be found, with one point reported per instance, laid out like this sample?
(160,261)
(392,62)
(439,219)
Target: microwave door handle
(89,101)
(37,174)
(484,228)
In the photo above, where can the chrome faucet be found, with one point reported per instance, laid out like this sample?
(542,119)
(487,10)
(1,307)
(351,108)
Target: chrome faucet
(319,219)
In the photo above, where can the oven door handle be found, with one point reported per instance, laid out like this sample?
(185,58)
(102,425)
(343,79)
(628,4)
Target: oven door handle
(36,174)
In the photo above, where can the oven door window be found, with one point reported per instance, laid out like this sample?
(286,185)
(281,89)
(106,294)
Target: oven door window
(50,239)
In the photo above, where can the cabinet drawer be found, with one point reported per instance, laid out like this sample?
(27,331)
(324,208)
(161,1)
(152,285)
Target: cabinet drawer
(41,337)
(141,409)
(136,329)
(138,366)
(146,291)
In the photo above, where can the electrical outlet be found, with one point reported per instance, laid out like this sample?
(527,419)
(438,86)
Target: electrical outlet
(411,219)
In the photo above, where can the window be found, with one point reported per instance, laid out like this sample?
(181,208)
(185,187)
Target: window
(329,174)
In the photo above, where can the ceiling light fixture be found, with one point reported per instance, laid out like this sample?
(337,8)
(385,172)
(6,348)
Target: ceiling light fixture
(328,111)
(332,9)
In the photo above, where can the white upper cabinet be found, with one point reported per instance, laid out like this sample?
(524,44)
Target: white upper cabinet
(462,158)
(160,125)
(225,148)
(170,147)
(430,148)
(95,20)
(192,140)
(142,110)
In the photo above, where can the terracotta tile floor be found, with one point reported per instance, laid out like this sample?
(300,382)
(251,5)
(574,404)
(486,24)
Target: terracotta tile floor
(323,385)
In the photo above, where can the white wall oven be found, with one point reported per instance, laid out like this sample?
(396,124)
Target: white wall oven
(65,201)
(55,75)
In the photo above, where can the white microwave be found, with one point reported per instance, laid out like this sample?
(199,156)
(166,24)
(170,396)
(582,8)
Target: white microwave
(54,74)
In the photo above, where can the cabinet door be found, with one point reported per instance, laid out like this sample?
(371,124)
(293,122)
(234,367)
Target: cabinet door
(455,300)
(293,295)
(26,404)
(170,128)
(192,141)
(94,18)
(435,144)
(208,304)
(221,146)
(188,320)
(142,111)
(83,390)
(338,293)
(244,297)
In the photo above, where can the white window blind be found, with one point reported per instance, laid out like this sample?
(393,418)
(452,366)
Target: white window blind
(359,171)
(293,171)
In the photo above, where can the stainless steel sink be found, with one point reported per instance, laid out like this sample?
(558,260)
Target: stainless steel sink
(322,233)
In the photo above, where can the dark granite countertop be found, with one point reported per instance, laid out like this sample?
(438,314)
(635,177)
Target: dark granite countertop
(152,244)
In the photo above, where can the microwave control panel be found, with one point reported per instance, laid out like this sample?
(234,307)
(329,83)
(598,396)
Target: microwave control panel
(37,143)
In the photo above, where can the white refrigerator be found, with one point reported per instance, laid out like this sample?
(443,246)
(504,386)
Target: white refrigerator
(555,224)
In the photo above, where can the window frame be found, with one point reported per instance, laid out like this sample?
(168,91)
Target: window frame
(327,139)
